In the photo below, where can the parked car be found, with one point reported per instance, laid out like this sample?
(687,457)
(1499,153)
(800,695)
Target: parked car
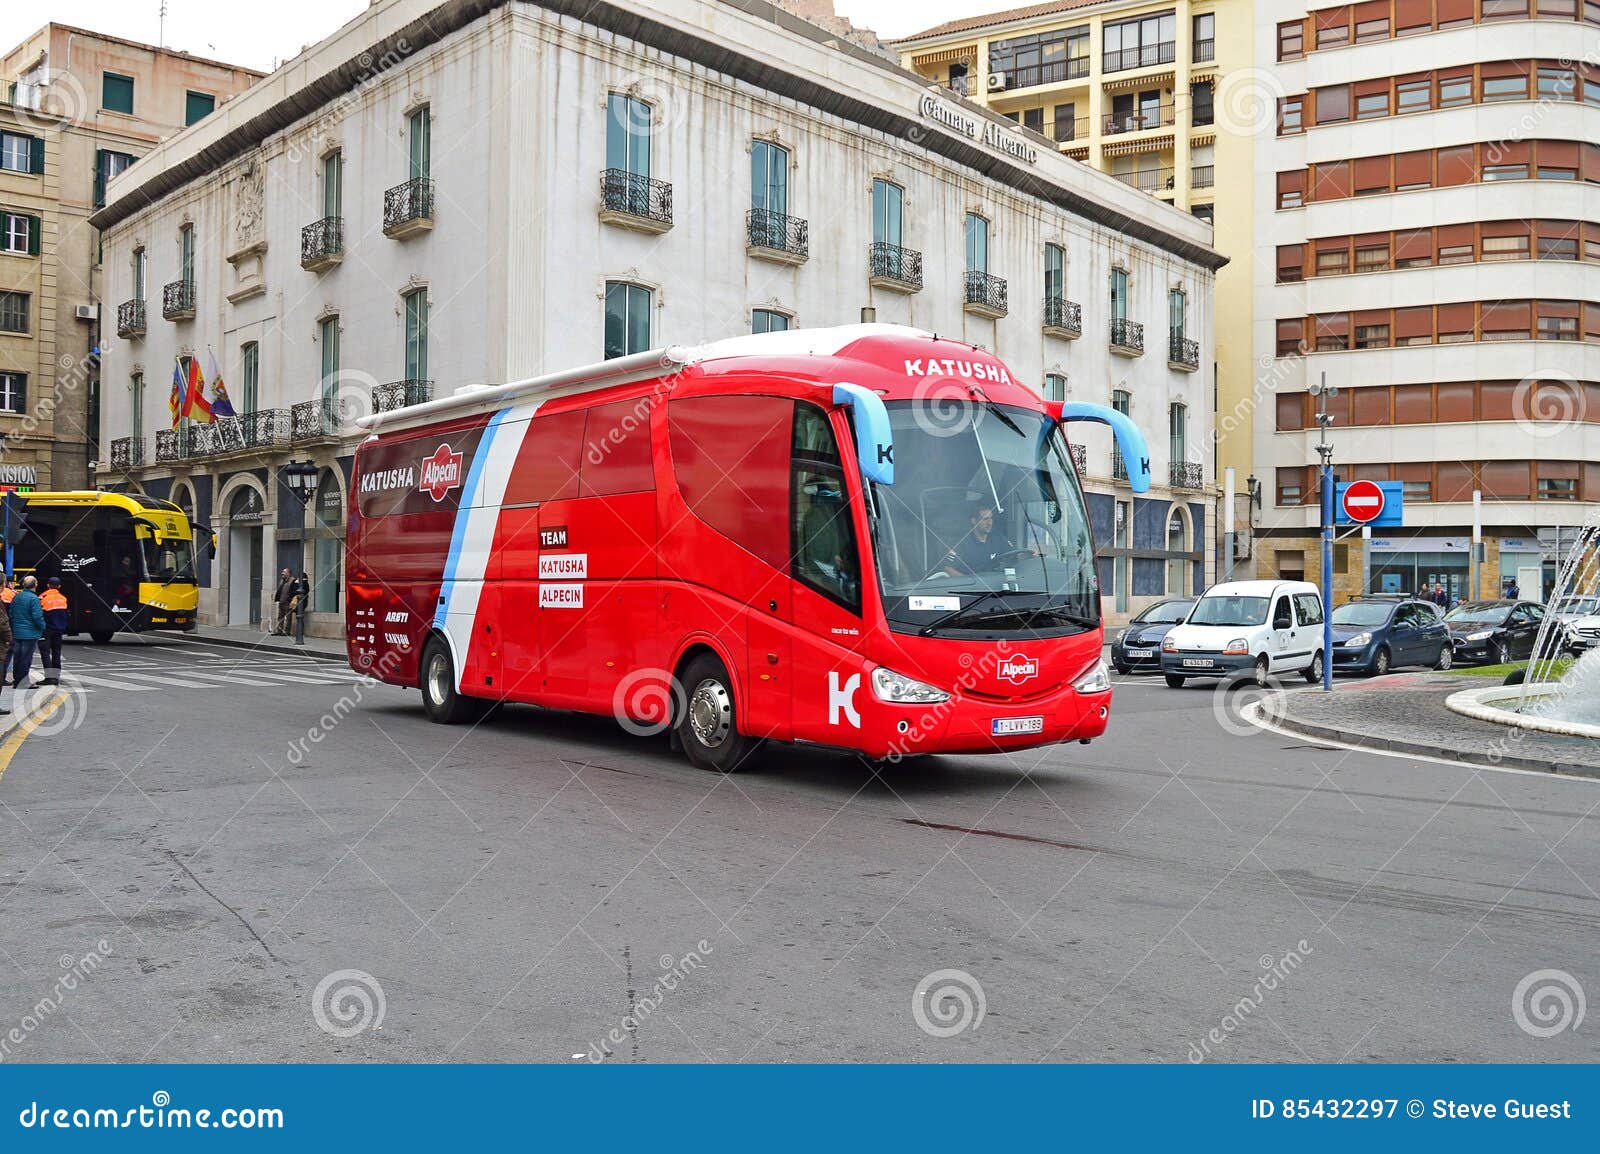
(1259,628)
(1494,631)
(1568,612)
(1138,647)
(1375,634)
(1581,634)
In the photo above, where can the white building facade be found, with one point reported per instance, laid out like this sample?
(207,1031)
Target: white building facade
(1428,240)
(445,194)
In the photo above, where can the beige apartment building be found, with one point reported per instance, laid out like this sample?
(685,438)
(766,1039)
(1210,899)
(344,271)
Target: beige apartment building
(76,109)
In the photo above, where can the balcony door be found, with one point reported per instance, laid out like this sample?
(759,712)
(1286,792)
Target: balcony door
(332,185)
(1119,294)
(769,178)
(977,243)
(421,130)
(628,134)
(887,205)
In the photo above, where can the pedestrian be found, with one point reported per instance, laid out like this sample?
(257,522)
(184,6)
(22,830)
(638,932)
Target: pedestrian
(283,598)
(5,663)
(1439,596)
(27,627)
(1513,590)
(302,605)
(54,604)
(8,590)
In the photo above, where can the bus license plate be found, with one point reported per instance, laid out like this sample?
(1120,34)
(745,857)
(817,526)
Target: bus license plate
(1197,662)
(1007,726)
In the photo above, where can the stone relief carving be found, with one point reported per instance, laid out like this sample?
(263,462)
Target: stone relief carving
(247,207)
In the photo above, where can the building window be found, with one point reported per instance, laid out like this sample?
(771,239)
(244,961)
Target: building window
(1558,328)
(21,153)
(1048,58)
(13,392)
(1177,314)
(1033,120)
(768,321)
(417,335)
(1291,263)
(1119,294)
(13,312)
(977,243)
(1055,273)
(1455,90)
(186,254)
(1065,125)
(138,273)
(1055,387)
(197,106)
(888,200)
(1333,104)
(1292,40)
(1177,433)
(1332,31)
(136,404)
(1374,29)
(1371,105)
(420,128)
(1505,10)
(1333,261)
(1122,402)
(1505,172)
(1372,336)
(1202,99)
(107,166)
(19,233)
(1140,43)
(1372,258)
(116,92)
(628,134)
(1558,84)
(627,319)
(328,337)
(1413,95)
(333,184)
(1205,37)
(1558,488)
(1505,248)
(250,371)
(769,178)
(1291,115)
(1504,88)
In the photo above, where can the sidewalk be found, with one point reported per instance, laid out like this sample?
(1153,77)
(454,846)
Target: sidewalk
(248,637)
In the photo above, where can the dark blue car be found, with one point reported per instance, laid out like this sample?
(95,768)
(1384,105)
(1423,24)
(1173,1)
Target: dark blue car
(1138,647)
(1376,634)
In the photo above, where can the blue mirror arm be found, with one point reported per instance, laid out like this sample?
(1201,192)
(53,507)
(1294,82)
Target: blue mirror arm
(874,438)
(1130,441)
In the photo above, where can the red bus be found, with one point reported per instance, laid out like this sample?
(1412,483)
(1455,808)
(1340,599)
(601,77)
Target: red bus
(863,537)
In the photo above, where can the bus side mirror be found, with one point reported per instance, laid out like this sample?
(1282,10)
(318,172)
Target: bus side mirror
(874,439)
(1130,441)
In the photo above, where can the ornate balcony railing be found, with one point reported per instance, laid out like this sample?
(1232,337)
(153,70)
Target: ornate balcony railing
(167,447)
(634,200)
(1185,475)
(774,236)
(1183,353)
(1080,458)
(322,243)
(985,294)
(408,208)
(177,300)
(891,266)
(310,420)
(265,427)
(127,452)
(398,394)
(1127,336)
(1119,467)
(1063,316)
(130,319)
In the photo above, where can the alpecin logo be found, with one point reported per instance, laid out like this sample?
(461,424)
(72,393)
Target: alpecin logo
(1019,669)
(440,473)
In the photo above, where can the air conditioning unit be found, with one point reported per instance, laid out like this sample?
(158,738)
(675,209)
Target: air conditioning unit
(86,312)
(997,82)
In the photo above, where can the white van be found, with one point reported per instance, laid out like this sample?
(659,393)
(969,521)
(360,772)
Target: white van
(1261,628)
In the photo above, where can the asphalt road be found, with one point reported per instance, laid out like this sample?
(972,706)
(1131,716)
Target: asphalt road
(199,857)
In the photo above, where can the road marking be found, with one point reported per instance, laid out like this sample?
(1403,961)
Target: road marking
(26,726)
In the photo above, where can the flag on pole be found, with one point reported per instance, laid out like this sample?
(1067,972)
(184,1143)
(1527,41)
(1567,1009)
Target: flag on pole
(221,406)
(195,405)
(175,399)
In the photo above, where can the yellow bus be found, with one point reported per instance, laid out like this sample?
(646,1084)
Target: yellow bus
(126,561)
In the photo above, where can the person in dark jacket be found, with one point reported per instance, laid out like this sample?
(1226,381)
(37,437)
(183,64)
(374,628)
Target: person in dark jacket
(54,604)
(283,601)
(27,627)
(5,641)
(302,606)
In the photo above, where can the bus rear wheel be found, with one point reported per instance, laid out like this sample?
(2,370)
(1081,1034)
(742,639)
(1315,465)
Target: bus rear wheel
(440,700)
(708,724)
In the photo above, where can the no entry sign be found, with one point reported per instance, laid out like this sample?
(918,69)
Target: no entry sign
(1375,503)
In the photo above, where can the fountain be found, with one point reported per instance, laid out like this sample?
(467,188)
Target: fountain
(1568,703)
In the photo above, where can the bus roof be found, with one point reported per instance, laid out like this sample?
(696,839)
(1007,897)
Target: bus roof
(129,502)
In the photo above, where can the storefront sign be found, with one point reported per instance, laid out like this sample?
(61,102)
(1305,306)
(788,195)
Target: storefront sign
(979,128)
(18,476)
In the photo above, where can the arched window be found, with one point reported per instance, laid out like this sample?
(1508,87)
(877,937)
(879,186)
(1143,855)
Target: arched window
(327,542)
(1177,542)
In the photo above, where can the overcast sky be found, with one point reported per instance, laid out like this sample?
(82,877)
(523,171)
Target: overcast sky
(262,35)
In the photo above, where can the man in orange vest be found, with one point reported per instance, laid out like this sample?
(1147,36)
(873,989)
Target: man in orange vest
(54,604)
(8,590)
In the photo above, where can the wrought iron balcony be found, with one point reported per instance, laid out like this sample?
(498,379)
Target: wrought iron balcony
(322,243)
(177,301)
(130,319)
(1080,458)
(895,268)
(633,200)
(167,447)
(1062,318)
(1119,467)
(265,428)
(398,394)
(312,420)
(1185,475)
(1182,353)
(776,237)
(1127,337)
(408,208)
(985,295)
(127,452)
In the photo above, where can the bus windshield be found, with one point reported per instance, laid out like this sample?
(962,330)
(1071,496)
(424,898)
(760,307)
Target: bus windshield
(985,526)
(170,559)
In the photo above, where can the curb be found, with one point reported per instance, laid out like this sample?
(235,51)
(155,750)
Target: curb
(1418,749)
(260,647)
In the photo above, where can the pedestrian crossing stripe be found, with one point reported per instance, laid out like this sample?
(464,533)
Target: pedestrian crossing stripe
(140,681)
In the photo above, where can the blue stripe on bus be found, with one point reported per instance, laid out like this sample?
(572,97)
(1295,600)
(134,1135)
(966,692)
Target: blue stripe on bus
(469,497)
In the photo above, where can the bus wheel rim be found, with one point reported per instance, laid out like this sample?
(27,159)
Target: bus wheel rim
(711,713)
(438,678)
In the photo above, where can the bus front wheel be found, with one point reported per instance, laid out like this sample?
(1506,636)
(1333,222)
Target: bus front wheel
(440,700)
(101,636)
(708,724)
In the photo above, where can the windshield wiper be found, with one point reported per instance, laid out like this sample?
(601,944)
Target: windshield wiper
(958,614)
(1065,616)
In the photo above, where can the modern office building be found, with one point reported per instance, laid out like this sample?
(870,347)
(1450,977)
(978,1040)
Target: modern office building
(1428,243)
(77,109)
(439,195)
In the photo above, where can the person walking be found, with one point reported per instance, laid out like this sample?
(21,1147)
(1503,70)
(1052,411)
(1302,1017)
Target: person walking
(302,605)
(27,627)
(283,598)
(5,663)
(54,604)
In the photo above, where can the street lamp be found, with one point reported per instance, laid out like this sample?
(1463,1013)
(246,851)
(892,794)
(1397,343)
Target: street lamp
(1323,392)
(301,477)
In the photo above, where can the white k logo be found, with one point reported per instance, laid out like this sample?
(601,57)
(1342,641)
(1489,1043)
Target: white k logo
(842,698)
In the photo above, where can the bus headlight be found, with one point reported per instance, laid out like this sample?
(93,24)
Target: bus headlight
(1097,679)
(894,687)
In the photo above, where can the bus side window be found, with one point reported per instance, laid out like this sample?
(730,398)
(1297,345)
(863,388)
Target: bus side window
(616,449)
(730,462)
(825,554)
(547,468)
